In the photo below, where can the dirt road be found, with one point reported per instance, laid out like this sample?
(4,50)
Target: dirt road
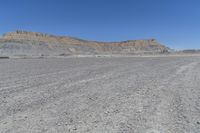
(98,95)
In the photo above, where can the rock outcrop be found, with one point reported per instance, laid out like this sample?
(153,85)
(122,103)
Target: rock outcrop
(31,43)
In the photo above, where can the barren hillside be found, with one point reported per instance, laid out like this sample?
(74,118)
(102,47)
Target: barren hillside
(31,43)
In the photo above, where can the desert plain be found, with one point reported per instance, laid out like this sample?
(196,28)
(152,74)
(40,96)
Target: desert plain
(100,95)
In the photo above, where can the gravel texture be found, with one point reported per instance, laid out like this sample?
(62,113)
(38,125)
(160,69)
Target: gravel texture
(100,95)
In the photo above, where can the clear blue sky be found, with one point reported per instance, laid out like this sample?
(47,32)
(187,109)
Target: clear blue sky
(175,23)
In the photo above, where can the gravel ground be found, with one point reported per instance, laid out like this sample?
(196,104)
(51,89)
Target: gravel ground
(100,95)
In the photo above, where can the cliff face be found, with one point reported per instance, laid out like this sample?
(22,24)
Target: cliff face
(31,43)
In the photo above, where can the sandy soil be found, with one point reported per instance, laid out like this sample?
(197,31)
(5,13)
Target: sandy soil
(98,95)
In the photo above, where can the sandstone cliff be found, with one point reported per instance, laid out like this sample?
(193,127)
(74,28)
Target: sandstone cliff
(31,43)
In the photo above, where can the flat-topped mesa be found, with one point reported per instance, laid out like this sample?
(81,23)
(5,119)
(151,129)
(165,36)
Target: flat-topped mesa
(42,37)
(36,36)
(22,41)
(25,35)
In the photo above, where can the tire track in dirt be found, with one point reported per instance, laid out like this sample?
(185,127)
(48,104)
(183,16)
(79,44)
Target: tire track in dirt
(131,95)
(172,115)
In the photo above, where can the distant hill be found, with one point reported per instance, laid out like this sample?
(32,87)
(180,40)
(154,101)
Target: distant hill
(190,51)
(40,44)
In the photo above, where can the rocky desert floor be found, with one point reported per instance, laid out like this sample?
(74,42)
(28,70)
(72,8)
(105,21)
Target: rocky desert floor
(100,95)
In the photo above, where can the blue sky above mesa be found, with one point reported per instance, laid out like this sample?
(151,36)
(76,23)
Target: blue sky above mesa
(175,23)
